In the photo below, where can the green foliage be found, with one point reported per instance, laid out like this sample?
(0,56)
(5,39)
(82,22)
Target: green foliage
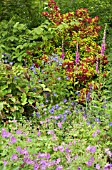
(101,8)
(21,89)
(23,11)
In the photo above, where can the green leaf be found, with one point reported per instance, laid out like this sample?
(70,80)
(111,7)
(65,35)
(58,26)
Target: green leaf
(38,30)
(24,99)
(1,105)
(16,25)
(16,168)
(30,101)
(47,89)
(42,85)
(4,87)
(13,99)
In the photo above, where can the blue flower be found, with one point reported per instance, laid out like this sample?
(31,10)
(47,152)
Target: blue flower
(54,94)
(56,106)
(65,100)
(37,114)
(11,63)
(97,119)
(110,124)
(59,78)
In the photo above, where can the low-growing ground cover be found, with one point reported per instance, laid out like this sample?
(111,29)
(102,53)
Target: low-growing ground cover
(55,94)
(64,137)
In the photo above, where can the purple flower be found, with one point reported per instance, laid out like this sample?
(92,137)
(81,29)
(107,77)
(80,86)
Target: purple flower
(88,122)
(29,140)
(38,133)
(108,167)
(14,157)
(97,166)
(56,106)
(65,100)
(28,161)
(24,152)
(108,152)
(61,148)
(36,166)
(55,148)
(5,162)
(18,149)
(90,161)
(78,168)
(94,134)
(98,131)
(68,158)
(50,132)
(5,134)
(62,55)
(60,125)
(18,132)
(97,119)
(58,161)
(88,96)
(92,149)
(37,114)
(67,150)
(13,139)
(103,48)
(60,167)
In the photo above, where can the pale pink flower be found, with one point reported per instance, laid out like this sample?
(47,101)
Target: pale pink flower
(103,46)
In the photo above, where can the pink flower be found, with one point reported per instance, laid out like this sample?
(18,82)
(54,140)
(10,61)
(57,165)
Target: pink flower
(14,157)
(5,162)
(97,166)
(61,148)
(13,139)
(60,167)
(103,43)
(90,161)
(62,55)
(97,67)
(77,54)
(38,133)
(60,125)
(5,134)
(18,132)
(58,161)
(92,149)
